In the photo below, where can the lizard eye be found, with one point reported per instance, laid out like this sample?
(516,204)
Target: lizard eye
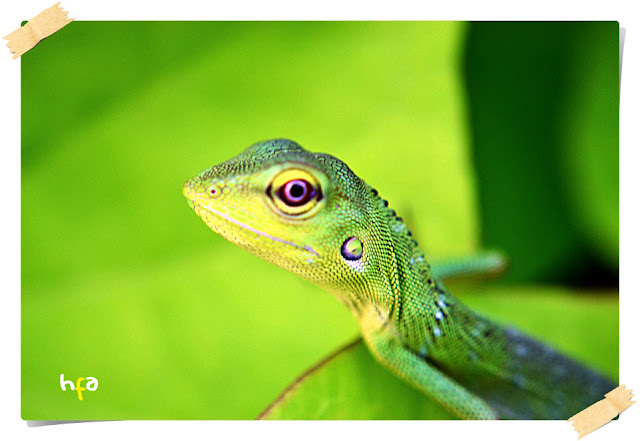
(294,192)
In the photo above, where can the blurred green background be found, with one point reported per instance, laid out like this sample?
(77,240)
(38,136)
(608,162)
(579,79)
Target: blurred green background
(482,134)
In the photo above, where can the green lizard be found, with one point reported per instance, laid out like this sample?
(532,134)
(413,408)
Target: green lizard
(310,214)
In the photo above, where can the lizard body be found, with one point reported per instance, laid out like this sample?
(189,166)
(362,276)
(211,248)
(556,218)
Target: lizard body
(310,214)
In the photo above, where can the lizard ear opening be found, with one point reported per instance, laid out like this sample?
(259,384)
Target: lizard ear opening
(351,249)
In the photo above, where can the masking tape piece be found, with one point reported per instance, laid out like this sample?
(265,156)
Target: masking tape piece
(600,413)
(38,28)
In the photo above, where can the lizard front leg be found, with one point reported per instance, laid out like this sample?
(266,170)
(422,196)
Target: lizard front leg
(487,263)
(411,367)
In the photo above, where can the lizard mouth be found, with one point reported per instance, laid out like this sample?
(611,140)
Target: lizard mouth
(246,227)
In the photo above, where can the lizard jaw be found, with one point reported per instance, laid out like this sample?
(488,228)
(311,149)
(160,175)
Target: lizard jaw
(246,227)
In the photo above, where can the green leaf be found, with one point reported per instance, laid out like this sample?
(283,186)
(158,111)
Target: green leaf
(543,111)
(350,384)
(590,154)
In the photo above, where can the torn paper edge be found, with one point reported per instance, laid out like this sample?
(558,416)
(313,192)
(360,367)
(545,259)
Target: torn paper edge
(38,28)
(600,413)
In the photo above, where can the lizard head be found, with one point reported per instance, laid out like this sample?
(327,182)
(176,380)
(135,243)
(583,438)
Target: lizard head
(306,212)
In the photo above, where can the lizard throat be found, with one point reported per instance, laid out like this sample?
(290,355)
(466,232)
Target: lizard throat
(246,227)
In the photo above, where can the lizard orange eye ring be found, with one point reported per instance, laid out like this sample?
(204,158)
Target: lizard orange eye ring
(294,192)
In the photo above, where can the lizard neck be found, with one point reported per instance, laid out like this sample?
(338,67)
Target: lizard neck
(406,290)
(424,313)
